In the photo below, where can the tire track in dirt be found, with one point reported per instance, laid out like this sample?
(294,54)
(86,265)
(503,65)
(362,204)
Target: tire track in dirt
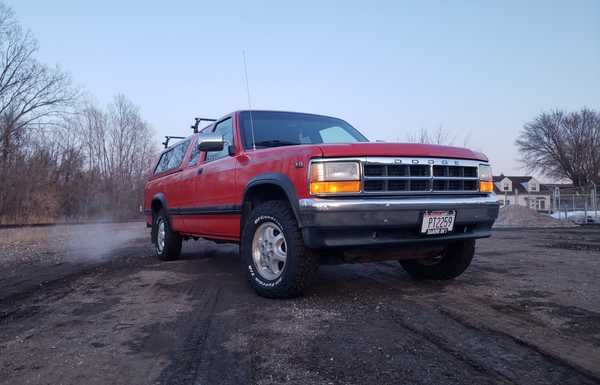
(220,311)
(580,357)
(193,330)
(504,357)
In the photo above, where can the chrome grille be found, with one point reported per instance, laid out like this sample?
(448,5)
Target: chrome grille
(403,175)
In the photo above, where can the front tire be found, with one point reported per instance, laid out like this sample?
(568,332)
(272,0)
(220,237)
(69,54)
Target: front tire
(449,265)
(167,243)
(276,262)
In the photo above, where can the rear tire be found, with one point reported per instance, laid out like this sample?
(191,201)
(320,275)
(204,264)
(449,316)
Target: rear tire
(167,243)
(276,262)
(452,263)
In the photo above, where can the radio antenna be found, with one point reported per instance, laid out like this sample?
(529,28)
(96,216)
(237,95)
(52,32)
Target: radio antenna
(249,101)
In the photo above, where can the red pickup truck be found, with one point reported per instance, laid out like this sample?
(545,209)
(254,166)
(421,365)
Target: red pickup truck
(296,190)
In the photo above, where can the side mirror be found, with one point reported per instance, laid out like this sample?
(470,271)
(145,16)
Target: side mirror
(210,142)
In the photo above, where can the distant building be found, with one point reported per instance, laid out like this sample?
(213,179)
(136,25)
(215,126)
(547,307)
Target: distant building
(530,192)
(523,191)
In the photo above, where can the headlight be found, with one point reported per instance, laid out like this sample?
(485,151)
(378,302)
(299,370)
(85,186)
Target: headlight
(486,183)
(334,177)
(332,171)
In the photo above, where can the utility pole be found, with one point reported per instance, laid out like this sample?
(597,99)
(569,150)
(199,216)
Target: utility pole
(595,200)
(557,200)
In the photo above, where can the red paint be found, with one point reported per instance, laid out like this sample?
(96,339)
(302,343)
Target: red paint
(399,149)
(222,182)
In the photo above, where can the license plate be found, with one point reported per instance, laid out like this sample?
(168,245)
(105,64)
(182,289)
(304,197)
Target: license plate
(437,222)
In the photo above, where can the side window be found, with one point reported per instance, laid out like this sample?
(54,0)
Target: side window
(224,128)
(163,162)
(195,155)
(178,154)
(172,158)
(336,134)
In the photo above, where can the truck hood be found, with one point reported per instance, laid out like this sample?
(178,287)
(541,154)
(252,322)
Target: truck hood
(399,150)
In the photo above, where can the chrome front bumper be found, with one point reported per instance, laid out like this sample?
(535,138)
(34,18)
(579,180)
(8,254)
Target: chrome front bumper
(371,221)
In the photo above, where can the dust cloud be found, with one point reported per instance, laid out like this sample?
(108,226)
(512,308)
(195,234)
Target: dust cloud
(98,241)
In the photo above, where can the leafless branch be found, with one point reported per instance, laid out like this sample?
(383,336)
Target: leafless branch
(563,145)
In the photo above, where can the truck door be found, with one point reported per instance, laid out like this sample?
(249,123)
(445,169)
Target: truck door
(215,190)
(188,200)
(170,183)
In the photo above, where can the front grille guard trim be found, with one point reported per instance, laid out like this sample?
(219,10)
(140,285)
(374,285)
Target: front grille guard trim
(414,161)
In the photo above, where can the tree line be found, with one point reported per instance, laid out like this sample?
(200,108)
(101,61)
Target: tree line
(62,157)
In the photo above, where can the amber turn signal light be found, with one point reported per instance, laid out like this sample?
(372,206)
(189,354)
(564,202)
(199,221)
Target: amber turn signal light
(486,186)
(334,187)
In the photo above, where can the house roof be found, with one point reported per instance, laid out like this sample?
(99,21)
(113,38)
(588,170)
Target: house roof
(514,179)
(518,183)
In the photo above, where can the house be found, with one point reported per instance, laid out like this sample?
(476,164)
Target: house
(523,191)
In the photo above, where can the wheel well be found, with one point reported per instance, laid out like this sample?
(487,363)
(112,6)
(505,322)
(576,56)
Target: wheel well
(155,206)
(261,193)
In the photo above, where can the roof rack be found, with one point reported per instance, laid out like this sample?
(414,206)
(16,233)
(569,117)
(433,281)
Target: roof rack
(197,122)
(169,137)
(193,127)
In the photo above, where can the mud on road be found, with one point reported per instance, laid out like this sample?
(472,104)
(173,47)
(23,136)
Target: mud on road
(91,305)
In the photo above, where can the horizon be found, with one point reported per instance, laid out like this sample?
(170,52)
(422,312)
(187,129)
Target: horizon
(478,71)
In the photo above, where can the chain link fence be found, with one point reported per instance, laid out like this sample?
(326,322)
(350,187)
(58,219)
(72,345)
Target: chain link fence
(581,208)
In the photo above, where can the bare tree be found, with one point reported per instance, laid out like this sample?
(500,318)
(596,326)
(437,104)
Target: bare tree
(29,91)
(563,145)
(118,149)
(439,136)
(60,158)
(131,148)
(32,95)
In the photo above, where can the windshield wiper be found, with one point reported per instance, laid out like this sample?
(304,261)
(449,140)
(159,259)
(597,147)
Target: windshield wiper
(275,143)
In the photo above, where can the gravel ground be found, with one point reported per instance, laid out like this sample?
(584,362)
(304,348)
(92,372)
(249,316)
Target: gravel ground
(91,305)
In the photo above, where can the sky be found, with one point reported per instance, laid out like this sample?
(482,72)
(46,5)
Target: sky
(479,69)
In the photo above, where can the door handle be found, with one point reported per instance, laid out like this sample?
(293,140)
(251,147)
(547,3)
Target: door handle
(200,170)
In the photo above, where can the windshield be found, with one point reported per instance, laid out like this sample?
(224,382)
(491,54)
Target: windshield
(272,129)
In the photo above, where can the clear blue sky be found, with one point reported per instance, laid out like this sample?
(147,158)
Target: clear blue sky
(481,69)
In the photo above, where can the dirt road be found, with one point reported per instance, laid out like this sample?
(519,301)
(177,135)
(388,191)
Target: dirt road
(90,305)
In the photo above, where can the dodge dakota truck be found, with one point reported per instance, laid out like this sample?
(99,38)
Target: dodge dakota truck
(296,190)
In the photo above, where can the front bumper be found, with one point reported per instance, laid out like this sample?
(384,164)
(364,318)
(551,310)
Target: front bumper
(365,221)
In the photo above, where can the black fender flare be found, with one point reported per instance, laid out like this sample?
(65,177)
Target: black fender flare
(160,197)
(282,181)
